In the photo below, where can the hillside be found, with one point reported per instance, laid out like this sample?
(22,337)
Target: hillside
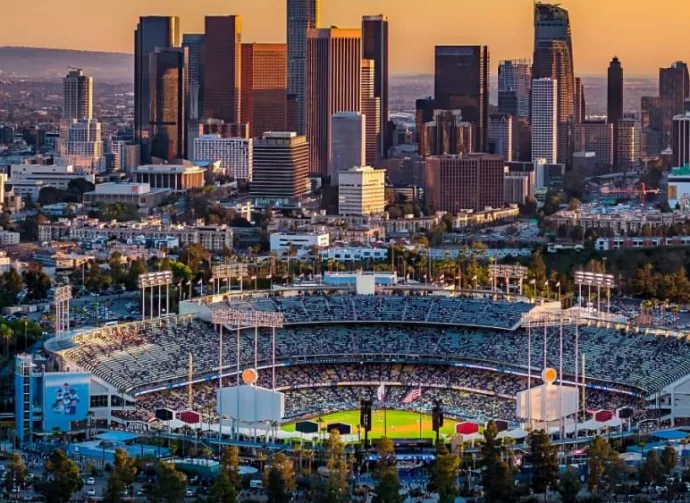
(48,64)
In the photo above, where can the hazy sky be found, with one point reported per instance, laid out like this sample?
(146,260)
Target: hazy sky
(644,34)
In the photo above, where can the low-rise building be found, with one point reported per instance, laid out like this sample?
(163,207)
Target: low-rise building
(137,194)
(361,191)
(621,220)
(176,177)
(9,237)
(282,242)
(342,252)
(29,179)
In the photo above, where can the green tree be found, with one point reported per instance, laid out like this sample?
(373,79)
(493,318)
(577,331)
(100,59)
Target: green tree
(61,478)
(497,478)
(600,454)
(117,273)
(230,465)
(170,486)
(193,256)
(121,477)
(669,459)
(544,462)
(444,475)
(280,479)
(222,490)
(11,283)
(181,271)
(136,268)
(569,486)
(651,470)
(386,474)
(15,474)
(335,489)
(37,282)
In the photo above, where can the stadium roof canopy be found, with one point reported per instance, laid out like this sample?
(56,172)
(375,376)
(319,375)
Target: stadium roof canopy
(671,434)
(117,436)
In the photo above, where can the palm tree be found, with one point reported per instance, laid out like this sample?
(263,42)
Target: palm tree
(309,456)
(261,458)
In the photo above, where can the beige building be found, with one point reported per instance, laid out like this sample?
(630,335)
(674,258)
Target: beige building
(361,191)
(170,176)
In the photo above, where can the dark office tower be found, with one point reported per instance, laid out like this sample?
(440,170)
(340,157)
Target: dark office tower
(553,59)
(371,109)
(168,95)
(514,83)
(78,96)
(194,43)
(673,91)
(334,68)
(446,134)
(301,16)
(264,87)
(375,47)
(614,100)
(281,167)
(223,68)
(152,32)
(461,82)
(580,108)
(423,113)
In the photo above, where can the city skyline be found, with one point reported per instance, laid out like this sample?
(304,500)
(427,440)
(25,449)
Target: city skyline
(509,35)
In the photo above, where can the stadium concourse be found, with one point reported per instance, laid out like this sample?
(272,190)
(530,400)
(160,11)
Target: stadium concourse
(337,347)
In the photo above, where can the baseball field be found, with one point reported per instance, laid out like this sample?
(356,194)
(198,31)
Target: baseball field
(397,423)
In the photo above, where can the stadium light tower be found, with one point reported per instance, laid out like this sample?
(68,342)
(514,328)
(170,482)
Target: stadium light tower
(151,280)
(62,296)
(227,272)
(508,272)
(590,279)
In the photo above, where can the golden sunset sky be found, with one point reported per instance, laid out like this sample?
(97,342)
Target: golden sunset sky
(644,34)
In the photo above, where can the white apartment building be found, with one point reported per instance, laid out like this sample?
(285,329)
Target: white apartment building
(281,242)
(81,145)
(545,120)
(348,142)
(9,237)
(234,154)
(361,191)
(29,179)
(501,134)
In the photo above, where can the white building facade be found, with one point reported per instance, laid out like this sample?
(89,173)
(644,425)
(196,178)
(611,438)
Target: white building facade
(235,154)
(545,120)
(361,191)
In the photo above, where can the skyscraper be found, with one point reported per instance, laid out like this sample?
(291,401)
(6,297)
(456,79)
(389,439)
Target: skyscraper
(674,88)
(681,139)
(334,85)
(446,134)
(614,100)
(514,82)
(347,142)
(264,87)
(501,135)
(580,109)
(223,68)
(302,15)
(628,142)
(152,32)
(597,136)
(461,82)
(371,109)
(375,47)
(553,59)
(281,167)
(168,123)
(545,120)
(78,96)
(194,43)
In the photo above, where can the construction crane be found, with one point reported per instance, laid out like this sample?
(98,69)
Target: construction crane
(641,191)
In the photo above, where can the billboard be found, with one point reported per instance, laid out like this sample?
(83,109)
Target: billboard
(544,403)
(251,404)
(65,399)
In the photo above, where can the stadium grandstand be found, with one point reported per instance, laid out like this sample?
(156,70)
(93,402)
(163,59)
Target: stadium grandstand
(471,352)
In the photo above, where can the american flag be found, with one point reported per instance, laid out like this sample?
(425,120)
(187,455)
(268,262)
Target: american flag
(413,395)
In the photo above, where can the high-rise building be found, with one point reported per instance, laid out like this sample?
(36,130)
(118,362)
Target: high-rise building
(348,142)
(553,59)
(223,68)
(371,109)
(628,143)
(167,119)
(580,109)
(424,112)
(651,122)
(151,33)
(194,43)
(281,167)
(264,87)
(235,154)
(514,83)
(302,15)
(461,82)
(545,120)
(674,89)
(596,136)
(516,187)
(78,96)
(614,100)
(225,130)
(81,145)
(334,68)
(446,134)
(501,135)
(681,140)
(463,182)
(375,48)
(361,191)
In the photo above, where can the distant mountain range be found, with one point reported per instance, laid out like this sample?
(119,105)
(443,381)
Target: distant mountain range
(49,64)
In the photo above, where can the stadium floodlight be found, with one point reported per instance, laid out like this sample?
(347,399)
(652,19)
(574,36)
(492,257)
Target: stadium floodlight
(549,318)
(598,280)
(62,295)
(151,280)
(509,272)
(228,272)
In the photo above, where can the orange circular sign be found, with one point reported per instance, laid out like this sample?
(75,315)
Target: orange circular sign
(549,375)
(250,376)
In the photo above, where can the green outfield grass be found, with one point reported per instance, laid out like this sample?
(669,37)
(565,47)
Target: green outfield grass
(401,424)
